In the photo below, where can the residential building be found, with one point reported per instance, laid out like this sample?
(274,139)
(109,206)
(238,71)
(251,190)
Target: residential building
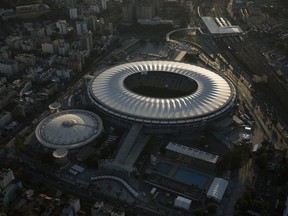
(73,14)
(86,41)
(5,118)
(9,193)
(81,27)
(128,11)
(62,27)
(145,9)
(6,97)
(8,67)
(27,59)
(110,27)
(6,176)
(48,47)
(104,4)
(2,84)
(92,23)
(64,73)
(72,3)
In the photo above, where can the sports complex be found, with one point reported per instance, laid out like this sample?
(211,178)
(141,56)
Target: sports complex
(163,94)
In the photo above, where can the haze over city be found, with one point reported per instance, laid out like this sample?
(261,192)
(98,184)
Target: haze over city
(143,107)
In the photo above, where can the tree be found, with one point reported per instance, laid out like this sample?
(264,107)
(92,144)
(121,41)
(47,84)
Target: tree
(47,158)
(212,208)
(4,208)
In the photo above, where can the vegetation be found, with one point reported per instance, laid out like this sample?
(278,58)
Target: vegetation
(249,202)
(91,161)
(234,158)
(4,208)
(47,158)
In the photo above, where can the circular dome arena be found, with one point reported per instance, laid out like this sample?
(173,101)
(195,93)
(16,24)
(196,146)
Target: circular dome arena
(162,93)
(69,129)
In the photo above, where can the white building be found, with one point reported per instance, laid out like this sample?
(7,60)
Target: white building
(81,27)
(217,189)
(73,13)
(62,26)
(8,67)
(182,202)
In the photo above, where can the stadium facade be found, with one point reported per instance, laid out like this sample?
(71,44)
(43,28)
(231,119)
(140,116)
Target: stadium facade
(162,94)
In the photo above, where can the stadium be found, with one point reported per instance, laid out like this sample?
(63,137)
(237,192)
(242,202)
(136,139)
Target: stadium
(161,94)
(69,129)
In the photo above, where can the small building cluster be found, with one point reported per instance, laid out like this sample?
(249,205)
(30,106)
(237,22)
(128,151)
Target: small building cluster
(9,186)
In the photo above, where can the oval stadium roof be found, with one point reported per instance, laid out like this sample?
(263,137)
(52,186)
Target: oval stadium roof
(213,96)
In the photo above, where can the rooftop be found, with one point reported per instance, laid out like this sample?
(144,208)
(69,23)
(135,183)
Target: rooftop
(69,129)
(215,29)
(191,152)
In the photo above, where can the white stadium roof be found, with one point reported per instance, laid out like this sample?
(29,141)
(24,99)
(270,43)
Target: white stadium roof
(217,189)
(213,97)
(69,129)
(215,29)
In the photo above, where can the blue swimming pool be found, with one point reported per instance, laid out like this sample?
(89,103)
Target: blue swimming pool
(190,177)
(163,168)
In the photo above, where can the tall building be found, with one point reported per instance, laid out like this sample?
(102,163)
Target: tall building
(72,3)
(6,176)
(8,67)
(145,10)
(128,11)
(73,13)
(62,26)
(86,41)
(81,27)
(104,4)
(101,25)
(92,23)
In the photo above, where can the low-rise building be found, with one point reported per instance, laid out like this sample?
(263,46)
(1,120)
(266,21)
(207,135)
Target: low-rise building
(8,186)
(5,118)
(27,59)
(8,67)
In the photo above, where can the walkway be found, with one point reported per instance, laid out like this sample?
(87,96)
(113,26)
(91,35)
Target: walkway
(115,178)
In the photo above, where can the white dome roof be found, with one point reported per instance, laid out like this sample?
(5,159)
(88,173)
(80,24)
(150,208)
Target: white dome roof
(69,129)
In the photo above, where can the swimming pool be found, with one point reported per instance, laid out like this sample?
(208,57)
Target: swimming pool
(190,177)
(163,168)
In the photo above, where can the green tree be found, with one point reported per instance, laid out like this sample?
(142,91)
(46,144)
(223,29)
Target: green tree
(212,208)
(243,205)
(47,158)
(4,208)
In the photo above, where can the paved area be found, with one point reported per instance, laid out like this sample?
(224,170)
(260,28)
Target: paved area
(234,192)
